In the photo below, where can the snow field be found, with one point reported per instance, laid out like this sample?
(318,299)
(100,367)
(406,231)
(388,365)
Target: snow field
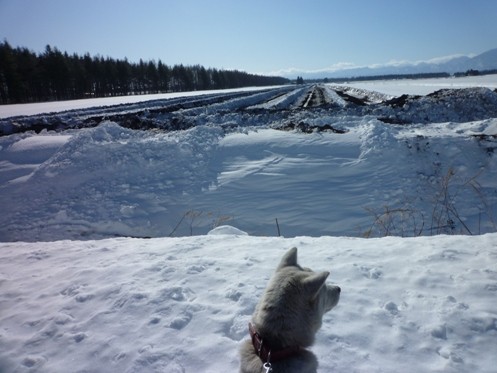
(204,165)
(92,103)
(425,86)
(182,304)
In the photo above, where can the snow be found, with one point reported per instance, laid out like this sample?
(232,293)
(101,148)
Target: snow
(110,181)
(213,181)
(280,101)
(227,230)
(423,304)
(60,106)
(425,86)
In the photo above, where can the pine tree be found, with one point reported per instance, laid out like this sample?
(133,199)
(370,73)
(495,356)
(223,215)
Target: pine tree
(53,75)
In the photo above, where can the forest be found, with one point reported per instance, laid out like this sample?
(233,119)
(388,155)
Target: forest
(54,75)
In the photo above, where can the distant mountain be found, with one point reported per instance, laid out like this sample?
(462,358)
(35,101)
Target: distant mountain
(484,61)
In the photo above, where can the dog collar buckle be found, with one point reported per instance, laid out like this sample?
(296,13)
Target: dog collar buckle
(267,367)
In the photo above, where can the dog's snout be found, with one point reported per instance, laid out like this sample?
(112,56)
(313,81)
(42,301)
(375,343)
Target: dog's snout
(339,289)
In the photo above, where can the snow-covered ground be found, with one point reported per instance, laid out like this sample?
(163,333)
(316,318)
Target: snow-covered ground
(58,106)
(423,304)
(318,164)
(237,159)
(425,86)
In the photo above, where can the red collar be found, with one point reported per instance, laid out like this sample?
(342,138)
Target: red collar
(265,353)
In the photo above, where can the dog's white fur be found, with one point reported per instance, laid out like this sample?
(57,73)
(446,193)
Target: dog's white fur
(290,313)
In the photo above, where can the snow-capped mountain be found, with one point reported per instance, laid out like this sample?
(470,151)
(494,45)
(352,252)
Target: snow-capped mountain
(451,64)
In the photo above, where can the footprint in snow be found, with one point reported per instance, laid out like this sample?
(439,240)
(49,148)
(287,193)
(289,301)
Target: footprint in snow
(195,269)
(440,332)
(446,353)
(451,301)
(251,261)
(82,298)
(450,254)
(392,308)
(71,291)
(154,321)
(33,361)
(181,321)
(129,300)
(176,293)
(236,329)
(156,361)
(79,337)
(483,324)
(371,272)
(233,295)
(119,356)
(63,319)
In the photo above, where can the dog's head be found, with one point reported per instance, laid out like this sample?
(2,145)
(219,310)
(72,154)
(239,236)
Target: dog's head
(293,305)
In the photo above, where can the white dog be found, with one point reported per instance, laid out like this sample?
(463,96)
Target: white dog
(286,320)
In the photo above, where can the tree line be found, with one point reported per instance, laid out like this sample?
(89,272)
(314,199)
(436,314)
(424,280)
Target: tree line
(53,75)
(473,72)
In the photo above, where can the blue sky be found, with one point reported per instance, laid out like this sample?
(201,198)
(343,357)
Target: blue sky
(259,36)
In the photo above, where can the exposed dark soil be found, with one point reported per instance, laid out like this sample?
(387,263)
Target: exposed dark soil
(309,128)
(446,105)
(351,99)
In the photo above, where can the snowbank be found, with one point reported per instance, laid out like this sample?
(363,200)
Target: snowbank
(374,179)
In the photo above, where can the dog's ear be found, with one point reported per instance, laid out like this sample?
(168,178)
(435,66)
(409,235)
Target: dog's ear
(289,259)
(314,283)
